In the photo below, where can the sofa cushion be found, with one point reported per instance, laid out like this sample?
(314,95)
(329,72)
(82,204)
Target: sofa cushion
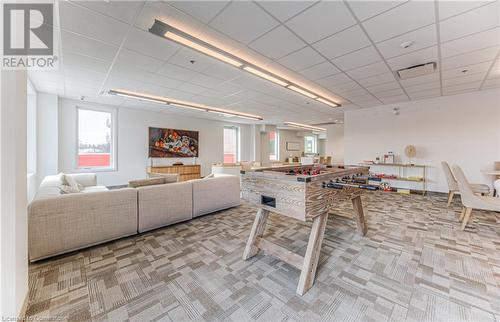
(214,194)
(65,189)
(165,204)
(146,182)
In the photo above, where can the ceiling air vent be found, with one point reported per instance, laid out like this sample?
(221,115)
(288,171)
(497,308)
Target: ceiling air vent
(417,70)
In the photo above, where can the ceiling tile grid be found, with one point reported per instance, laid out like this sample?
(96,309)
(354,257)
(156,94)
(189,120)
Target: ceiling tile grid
(350,48)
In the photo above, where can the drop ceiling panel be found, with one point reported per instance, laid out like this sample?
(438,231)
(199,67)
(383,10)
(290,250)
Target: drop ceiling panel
(90,24)
(301,59)
(176,72)
(480,19)
(201,10)
(148,44)
(128,58)
(376,80)
(191,59)
(369,70)
(492,83)
(425,94)
(432,85)
(72,60)
(470,69)
(452,8)
(277,43)
(284,10)
(383,87)
(477,56)
(420,79)
(331,81)
(395,99)
(421,38)
(88,47)
(358,58)
(343,42)
(464,79)
(205,81)
(415,58)
(470,43)
(321,20)
(367,9)
(390,93)
(402,19)
(462,87)
(319,71)
(124,11)
(244,21)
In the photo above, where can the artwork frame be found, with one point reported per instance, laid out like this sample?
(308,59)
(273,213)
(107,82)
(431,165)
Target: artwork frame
(172,143)
(292,146)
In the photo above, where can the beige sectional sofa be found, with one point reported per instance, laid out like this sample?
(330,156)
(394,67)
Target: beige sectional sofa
(59,223)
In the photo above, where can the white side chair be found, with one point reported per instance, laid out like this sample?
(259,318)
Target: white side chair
(481,189)
(470,200)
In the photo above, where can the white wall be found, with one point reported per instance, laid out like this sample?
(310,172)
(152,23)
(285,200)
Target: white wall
(334,145)
(461,129)
(47,135)
(132,149)
(13,191)
(290,136)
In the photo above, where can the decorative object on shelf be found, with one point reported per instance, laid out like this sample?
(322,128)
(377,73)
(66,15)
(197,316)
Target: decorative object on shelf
(389,157)
(171,143)
(410,152)
(178,163)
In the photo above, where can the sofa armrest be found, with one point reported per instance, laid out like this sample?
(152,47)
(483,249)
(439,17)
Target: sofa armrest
(68,222)
(85,179)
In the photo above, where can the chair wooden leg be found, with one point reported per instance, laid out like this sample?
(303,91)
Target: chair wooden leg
(450,197)
(462,214)
(466,217)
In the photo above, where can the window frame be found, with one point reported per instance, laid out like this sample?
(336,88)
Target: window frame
(114,140)
(315,144)
(238,145)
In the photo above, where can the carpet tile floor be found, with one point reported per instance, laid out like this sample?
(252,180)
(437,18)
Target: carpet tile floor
(415,264)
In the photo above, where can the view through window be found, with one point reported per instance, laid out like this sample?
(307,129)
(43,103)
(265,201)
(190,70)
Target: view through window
(95,139)
(310,144)
(231,144)
(273,146)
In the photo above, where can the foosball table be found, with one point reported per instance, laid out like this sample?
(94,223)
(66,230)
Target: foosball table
(303,193)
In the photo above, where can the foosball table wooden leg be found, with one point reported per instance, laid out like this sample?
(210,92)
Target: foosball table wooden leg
(257,231)
(359,215)
(313,251)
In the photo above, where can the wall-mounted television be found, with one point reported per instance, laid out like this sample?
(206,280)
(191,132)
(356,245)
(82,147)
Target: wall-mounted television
(172,143)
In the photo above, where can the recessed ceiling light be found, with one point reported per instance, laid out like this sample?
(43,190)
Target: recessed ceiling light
(305,126)
(406,44)
(182,104)
(164,30)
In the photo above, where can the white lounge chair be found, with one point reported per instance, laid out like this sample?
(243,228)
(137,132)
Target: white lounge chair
(481,189)
(470,200)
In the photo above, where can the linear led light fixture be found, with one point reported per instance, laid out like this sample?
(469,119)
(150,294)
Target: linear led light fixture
(166,31)
(305,126)
(182,104)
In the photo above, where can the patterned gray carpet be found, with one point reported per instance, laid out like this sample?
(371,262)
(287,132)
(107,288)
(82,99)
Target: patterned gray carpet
(414,264)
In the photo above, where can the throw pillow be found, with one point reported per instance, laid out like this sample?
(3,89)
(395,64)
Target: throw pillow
(72,183)
(65,189)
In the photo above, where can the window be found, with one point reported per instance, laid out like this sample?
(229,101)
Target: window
(231,144)
(310,145)
(95,139)
(274,146)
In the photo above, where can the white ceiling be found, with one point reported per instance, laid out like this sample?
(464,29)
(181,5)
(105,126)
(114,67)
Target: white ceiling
(346,49)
